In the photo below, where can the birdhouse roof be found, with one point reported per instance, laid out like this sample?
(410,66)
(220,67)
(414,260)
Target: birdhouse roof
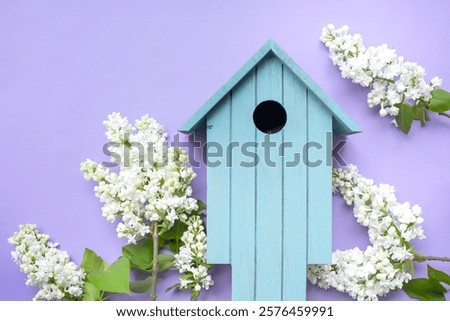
(342,124)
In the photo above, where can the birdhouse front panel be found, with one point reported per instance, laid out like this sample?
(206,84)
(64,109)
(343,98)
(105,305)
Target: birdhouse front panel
(260,204)
(269,132)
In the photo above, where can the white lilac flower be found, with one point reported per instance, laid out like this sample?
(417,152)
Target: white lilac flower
(153,180)
(191,260)
(382,267)
(46,267)
(392,79)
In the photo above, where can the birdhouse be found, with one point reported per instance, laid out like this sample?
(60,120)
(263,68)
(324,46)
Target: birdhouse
(269,144)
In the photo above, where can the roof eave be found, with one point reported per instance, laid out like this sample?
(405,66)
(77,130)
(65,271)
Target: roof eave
(195,121)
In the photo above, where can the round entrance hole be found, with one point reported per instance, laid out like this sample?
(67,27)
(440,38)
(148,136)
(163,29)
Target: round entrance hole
(269,117)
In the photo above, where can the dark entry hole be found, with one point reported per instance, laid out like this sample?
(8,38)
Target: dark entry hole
(269,117)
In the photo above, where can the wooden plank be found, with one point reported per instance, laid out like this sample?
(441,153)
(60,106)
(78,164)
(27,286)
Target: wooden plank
(295,190)
(242,192)
(269,189)
(319,183)
(218,182)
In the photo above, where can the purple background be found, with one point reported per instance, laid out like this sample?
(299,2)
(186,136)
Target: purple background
(65,65)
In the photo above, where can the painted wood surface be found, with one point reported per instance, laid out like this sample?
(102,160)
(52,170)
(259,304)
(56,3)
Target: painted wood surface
(319,183)
(243,185)
(262,209)
(218,182)
(269,189)
(342,122)
(271,218)
(295,190)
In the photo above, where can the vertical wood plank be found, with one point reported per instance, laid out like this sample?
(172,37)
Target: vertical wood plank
(319,183)
(242,192)
(295,190)
(218,182)
(269,206)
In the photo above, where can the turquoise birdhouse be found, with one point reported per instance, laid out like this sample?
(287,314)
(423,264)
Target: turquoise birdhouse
(269,144)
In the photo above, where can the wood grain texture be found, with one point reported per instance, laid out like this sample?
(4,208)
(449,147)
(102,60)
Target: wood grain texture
(295,190)
(319,183)
(218,182)
(269,189)
(243,193)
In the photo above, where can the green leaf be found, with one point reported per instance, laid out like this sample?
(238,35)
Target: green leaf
(116,278)
(174,246)
(92,262)
(175,286)
(425,289)
(410,266)
(141,286)
(175,232)
(165,261)
(165,258)
(405,117)
(194,295)
(420,113)
(438,275)
(440,101)
(163,266)
(140,254)
(201,206)
(91,293)
(186,276)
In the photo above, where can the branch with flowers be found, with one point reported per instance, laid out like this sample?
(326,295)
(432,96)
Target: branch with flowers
(387,264)
(152,198)
(161,221)
(397,86)
(58,278)
(46,267)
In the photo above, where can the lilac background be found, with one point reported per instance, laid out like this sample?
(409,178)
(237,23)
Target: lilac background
(65,65)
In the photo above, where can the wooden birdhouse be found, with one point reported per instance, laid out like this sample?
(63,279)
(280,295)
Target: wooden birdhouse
(269,131)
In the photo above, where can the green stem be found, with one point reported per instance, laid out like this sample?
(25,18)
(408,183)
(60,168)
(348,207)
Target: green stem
(445,115)
(422,258)
(385,79)
(154,229)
